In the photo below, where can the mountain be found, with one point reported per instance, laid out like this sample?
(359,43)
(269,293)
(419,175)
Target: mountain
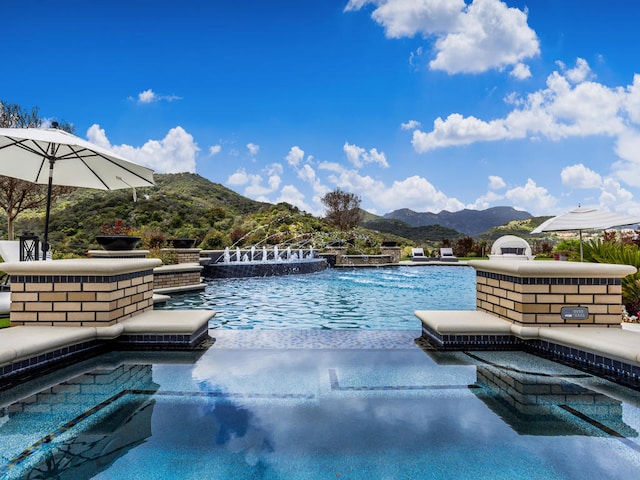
(468,222)
(419,235)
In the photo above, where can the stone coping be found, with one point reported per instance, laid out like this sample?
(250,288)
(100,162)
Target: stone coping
(177,268)
(182,288)
(182,250)
(118,253)
(24,342)
(82,266)
(613,343)
(447,322)
(178,322)
(552,269)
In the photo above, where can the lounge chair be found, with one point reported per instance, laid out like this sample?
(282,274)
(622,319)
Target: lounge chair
(446,255)
(510,247)
(417,255)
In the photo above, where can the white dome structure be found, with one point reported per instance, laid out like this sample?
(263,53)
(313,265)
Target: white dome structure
(510,247)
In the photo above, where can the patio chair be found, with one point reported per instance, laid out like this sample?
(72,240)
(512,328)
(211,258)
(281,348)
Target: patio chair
(446,255)
(417,255)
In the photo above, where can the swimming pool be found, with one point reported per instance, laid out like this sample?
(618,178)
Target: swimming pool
(362,298)
(265,404)
(335,399)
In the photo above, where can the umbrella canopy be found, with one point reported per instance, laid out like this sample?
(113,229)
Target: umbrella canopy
(583,218)
(55,157)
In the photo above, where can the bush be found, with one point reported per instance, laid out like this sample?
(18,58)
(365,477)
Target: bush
(599,251)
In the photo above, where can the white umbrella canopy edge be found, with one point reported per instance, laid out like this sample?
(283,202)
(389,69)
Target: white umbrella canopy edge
(584,218)
(27,144)
(56,157)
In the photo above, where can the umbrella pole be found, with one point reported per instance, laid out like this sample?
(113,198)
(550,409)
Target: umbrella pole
(581,257)
(45,244)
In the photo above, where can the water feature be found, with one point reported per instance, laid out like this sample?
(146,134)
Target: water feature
(242,264)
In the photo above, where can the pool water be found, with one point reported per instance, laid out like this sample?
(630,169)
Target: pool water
(309,410)
(355,398)
(362,298)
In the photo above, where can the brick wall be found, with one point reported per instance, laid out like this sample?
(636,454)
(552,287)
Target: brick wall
(79,300)
(537,296)
(173,279)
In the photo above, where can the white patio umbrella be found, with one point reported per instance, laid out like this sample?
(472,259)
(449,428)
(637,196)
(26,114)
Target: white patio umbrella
(55,157)
(583,218)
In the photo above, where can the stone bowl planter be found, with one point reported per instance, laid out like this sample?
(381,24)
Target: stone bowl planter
(118,242)
(182,242)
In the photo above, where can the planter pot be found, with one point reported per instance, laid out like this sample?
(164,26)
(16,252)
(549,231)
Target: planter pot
(632,327)
(182,242)
(118,242)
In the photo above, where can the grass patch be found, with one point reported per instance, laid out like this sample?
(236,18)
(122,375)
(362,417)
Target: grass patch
(5,322)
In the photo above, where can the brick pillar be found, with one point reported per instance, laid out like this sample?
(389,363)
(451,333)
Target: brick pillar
(80,292)
(534,292)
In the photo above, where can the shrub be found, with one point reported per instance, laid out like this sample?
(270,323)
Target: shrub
(599,251)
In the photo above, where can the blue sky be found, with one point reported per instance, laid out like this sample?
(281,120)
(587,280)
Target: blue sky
(423,104)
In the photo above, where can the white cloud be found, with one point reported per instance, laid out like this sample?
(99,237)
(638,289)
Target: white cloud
(614,197)
(410,125)
(531,197)
(487,200)
(238,178)
(627,169)
(295,156)
(175,153)
(521,71)
(579,176)
(580,72)
(471,38)
(458,130)
(489,35)
(214,150)
(149,96)
(415,58)
(358,156)
(292,195)
(559,111)
(414,192)
(496,183)
(406,18)
(253,148)
(255,185)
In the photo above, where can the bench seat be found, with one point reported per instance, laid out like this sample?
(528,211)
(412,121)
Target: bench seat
(458,326)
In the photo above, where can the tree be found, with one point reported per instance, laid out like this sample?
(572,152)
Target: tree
(17,195)
(343,209)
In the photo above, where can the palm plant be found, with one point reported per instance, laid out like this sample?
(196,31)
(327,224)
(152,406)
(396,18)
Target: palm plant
(600,251)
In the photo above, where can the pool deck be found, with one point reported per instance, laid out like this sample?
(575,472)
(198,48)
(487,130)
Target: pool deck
(611,351)
(25,349)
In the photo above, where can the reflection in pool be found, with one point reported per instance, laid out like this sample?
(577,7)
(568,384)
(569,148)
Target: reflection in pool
(309,411)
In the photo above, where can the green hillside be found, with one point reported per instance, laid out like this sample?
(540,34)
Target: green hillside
(185,205)
(188,205)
